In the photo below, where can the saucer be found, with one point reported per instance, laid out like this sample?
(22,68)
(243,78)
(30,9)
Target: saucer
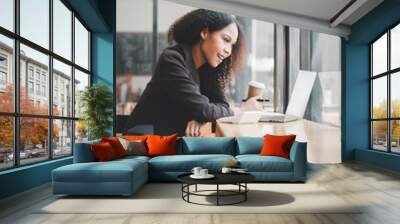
(208,176)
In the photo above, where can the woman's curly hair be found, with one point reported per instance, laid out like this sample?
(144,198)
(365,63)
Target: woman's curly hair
(187,29)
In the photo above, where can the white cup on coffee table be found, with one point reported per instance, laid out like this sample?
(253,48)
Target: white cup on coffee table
(203,172)
(226,170)
(196,170)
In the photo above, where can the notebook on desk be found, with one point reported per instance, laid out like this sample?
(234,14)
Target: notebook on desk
(298,100)
(246,117)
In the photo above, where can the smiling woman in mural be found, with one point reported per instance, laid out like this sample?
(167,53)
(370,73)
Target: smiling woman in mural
(187,87)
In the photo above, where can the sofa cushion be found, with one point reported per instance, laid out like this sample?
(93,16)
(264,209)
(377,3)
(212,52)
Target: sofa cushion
(257,163)
(249,145)
(134,147)
(277,145)
(83,152)
(185,163)
(133,158)
(116,145)
(103,152)
(111,171)
(206,145)
(161,145)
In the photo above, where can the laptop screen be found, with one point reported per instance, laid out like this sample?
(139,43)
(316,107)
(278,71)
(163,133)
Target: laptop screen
(301,93)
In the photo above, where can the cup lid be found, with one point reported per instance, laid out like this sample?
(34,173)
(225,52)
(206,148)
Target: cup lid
(257,84)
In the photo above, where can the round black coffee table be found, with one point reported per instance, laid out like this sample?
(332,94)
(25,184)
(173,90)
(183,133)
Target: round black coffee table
(238,179)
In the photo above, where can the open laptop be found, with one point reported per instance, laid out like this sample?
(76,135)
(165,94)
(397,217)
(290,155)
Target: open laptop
(246,117)
(298,100)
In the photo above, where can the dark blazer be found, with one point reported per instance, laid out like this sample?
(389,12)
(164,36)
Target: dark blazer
(178,93)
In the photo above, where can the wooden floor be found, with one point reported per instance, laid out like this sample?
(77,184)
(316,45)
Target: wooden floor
(377,188)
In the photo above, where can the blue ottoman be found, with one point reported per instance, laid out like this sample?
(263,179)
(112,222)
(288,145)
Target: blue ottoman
(118,177)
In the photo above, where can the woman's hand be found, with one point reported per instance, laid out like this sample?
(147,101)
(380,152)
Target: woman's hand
(193,128)
(251,104)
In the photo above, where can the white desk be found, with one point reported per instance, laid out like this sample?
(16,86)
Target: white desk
(323,141)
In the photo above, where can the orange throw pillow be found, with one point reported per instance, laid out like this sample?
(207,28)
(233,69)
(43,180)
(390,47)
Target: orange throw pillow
(116,145)
(161,145)
(103,152)
(277,145)
(135,137)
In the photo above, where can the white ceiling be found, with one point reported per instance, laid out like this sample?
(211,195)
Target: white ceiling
(319,9)
(313,15)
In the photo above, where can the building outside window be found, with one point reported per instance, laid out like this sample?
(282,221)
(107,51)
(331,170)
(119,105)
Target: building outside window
(3,61)
(43,90)
(38,89)
(37,75)
(44,77)
(3,78)
(30,87)
(3,72)
(30,72)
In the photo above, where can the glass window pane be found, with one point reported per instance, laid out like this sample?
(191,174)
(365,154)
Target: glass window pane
(395,138)
(62,29)
(294,54)
(81,45)
(81,81)
(6,142)
(325,99)
(168,13)
(81,131)
(395,94)
(33,139)
(6,74)
(134,56)
(379,55)
(62,141)
(260,64)
(379,98)
(395,47)
(7,14)
(62,89)
(379,135)
(34,72)
(35,21)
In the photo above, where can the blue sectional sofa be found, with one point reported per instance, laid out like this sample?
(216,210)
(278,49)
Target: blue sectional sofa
(125,176)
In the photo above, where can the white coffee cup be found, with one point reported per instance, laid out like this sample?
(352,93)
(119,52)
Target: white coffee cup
(203,172)
(196,170)
(226,170)
(255,89)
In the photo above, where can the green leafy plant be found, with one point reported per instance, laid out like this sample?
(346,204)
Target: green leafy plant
(96,103)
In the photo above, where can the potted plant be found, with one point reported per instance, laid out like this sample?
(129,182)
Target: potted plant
(96,110)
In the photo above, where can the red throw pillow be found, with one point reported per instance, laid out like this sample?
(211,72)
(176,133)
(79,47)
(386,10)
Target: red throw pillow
(135,137)
(277,145)
(103,151)
(161,145)
(116,145)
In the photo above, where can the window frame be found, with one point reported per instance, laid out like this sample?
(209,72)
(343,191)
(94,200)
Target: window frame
(388,74)
(16,114)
